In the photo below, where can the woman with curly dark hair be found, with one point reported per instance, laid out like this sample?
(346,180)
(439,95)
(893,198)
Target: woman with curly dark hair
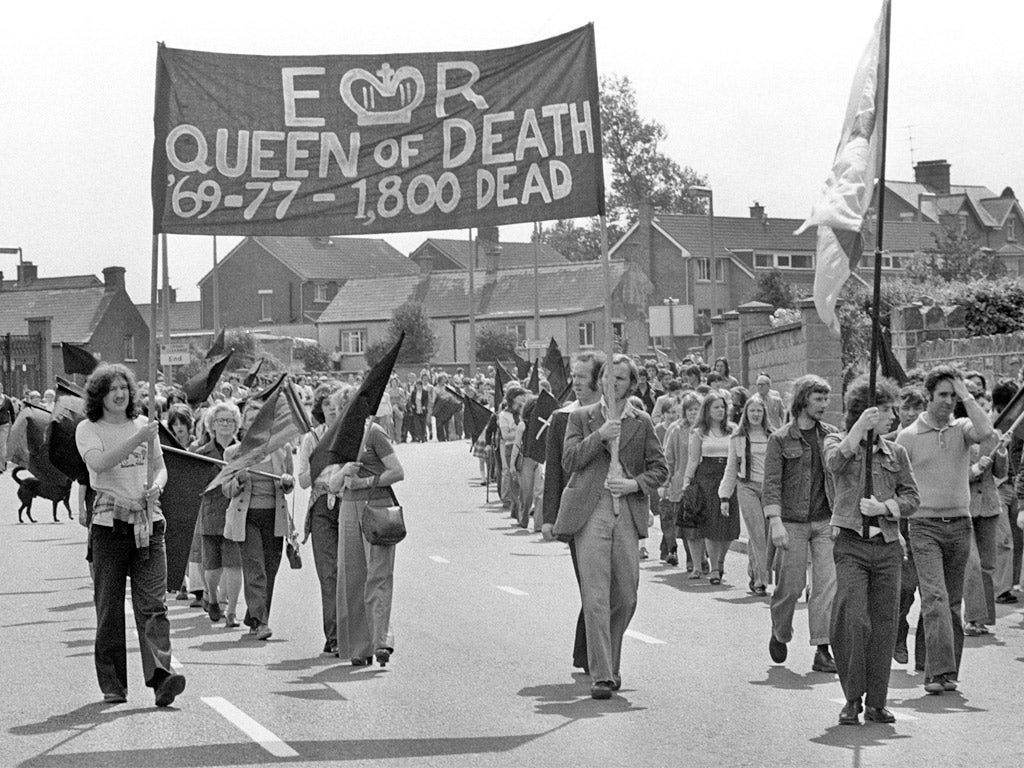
(121,450)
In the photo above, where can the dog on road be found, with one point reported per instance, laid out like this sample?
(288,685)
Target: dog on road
(31,487)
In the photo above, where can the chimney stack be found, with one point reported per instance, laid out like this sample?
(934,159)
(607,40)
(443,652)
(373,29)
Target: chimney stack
(113,279)
(487,239)
(933,174)
(757,211)
(27,274)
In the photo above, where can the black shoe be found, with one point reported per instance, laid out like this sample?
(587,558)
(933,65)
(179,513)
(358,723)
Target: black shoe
(823,662)
(617,682)
(672,558)
(169,689)
(383,656)
(363,661)
(215,612)
(1006,598)
(900,654)
(330,648)
(602,689)
(879,715)
(777,650)
(850,713)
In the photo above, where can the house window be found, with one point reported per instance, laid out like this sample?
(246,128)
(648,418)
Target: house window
(963,224)
(1011,230)
(266,305)
(519,329)
(891,262)
(320,297)
(784,260)
(587,334)
(618,330)
(129,349)
(720,270)
(764,260)
(703,270)
(352,342)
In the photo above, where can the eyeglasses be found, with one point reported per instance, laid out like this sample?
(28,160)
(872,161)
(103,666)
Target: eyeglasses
(225,421)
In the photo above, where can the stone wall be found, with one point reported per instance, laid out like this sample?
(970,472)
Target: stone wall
(924,336)
(747,339)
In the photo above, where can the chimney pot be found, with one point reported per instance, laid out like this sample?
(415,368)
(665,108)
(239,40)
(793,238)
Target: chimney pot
(113,279)
(27,274)
(933,174)
(757,211)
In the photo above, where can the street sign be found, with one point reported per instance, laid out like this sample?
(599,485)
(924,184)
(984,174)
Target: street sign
(679,323)
(175,353)
(536,344)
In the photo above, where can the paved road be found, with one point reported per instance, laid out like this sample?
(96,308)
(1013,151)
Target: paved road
(481,676)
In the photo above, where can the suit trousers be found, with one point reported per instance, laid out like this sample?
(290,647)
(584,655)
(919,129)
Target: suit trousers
(366,581)
(325,560)
(609,558)
(531,492)
(116,558)
(261,557)
(863,629)
(979,590)
(579,645)
(814,538)
(941,547)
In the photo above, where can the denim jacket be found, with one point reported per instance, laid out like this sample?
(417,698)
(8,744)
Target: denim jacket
(786,491)
(892,483)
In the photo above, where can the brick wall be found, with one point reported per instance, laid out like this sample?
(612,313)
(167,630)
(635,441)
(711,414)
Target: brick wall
(924,336)
(751,345)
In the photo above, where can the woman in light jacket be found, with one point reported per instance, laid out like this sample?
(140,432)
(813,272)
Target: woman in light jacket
(258,517)
(365,571)
(322,515)
(744,473)
(677,448)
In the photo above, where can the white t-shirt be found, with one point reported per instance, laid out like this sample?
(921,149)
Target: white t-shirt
(126,481)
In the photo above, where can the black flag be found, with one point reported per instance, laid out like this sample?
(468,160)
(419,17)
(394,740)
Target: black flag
(534,383)
(555,367)
(891,367)
(536,438)
(179,503)
(217,348)
(68,411)
(77,359)
(200,386)
(501,380)
(522,366)
(342,441)
(251,376)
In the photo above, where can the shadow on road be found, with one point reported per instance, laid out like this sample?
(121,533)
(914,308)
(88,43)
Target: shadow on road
(572,700)
(857,738)
(89,715)
(785,679)
(949,703)
(71,606)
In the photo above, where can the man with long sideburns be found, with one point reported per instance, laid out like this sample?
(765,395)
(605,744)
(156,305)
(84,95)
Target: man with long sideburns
(939,447)
(798,512)
(608,516)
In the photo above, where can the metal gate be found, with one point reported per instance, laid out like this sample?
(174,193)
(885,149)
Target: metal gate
(22,363)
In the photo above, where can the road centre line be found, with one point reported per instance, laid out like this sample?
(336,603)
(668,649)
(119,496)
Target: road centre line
(267,740)
(512,591)
(439,559)
(644,638)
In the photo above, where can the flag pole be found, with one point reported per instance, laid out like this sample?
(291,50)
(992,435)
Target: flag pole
(154,274)
(614,468)
(166,299)
(879,229)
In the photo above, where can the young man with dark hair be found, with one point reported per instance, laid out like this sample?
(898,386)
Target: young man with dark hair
(939,447)
(867,557)
(798,512)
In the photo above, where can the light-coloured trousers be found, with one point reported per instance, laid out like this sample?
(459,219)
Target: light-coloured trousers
(814,538)
(752,514)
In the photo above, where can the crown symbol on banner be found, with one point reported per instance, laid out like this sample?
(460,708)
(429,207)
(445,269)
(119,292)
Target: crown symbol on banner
(386,98)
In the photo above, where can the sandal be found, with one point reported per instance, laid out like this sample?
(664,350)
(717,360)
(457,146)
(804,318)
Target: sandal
(695,574)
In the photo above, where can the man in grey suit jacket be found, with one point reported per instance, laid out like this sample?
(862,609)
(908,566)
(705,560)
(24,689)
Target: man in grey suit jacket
(607,516)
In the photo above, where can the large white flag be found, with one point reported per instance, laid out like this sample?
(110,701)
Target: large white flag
(839,212)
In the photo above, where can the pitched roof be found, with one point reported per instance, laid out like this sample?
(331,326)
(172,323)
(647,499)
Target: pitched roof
(183,315)
(739,233)
(335,258)
(562,290)
(54,283)
(512,254)
(75,311)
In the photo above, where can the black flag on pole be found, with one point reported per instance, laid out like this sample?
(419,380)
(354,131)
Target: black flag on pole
(77,359)
(555,367)
(200,386)
(523,367)
(342,441)
(179,503)
(252,376)
(217,348)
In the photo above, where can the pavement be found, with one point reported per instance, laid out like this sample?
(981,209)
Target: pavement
(481,676)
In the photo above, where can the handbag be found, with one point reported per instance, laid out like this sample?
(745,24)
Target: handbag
(691,507)
(382,519)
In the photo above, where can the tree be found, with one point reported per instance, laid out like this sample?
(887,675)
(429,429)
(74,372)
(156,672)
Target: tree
(771,288)
(313,357)
(494,343)
(420,342)
(955,258)
(640,174)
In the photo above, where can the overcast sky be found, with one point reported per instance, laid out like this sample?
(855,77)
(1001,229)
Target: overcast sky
(751,93)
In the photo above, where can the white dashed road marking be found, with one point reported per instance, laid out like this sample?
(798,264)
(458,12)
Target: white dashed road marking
(513,591)
(644,638)
(269,741)
(438,559)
